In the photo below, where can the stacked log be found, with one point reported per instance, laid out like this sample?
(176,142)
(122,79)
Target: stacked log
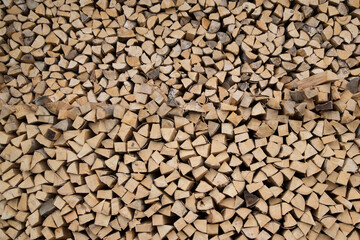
(179,119)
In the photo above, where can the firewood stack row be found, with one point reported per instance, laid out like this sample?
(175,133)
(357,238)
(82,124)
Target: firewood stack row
(179,119)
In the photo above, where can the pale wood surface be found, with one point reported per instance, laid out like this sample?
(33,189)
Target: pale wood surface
(179,119)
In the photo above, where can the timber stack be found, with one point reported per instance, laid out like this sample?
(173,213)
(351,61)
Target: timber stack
(179,119)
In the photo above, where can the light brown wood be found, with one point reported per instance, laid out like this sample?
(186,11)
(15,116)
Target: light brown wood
(195,119)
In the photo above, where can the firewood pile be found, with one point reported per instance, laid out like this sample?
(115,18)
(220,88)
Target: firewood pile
(179,119)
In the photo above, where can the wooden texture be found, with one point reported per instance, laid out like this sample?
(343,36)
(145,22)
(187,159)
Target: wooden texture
(179,119)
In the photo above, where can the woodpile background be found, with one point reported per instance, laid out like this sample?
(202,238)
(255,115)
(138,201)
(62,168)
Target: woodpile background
(179,119)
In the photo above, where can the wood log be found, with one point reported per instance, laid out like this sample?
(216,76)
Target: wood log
(179,119)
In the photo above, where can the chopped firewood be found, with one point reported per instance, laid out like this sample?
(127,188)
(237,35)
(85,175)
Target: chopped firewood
(320,78)
(179,119)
